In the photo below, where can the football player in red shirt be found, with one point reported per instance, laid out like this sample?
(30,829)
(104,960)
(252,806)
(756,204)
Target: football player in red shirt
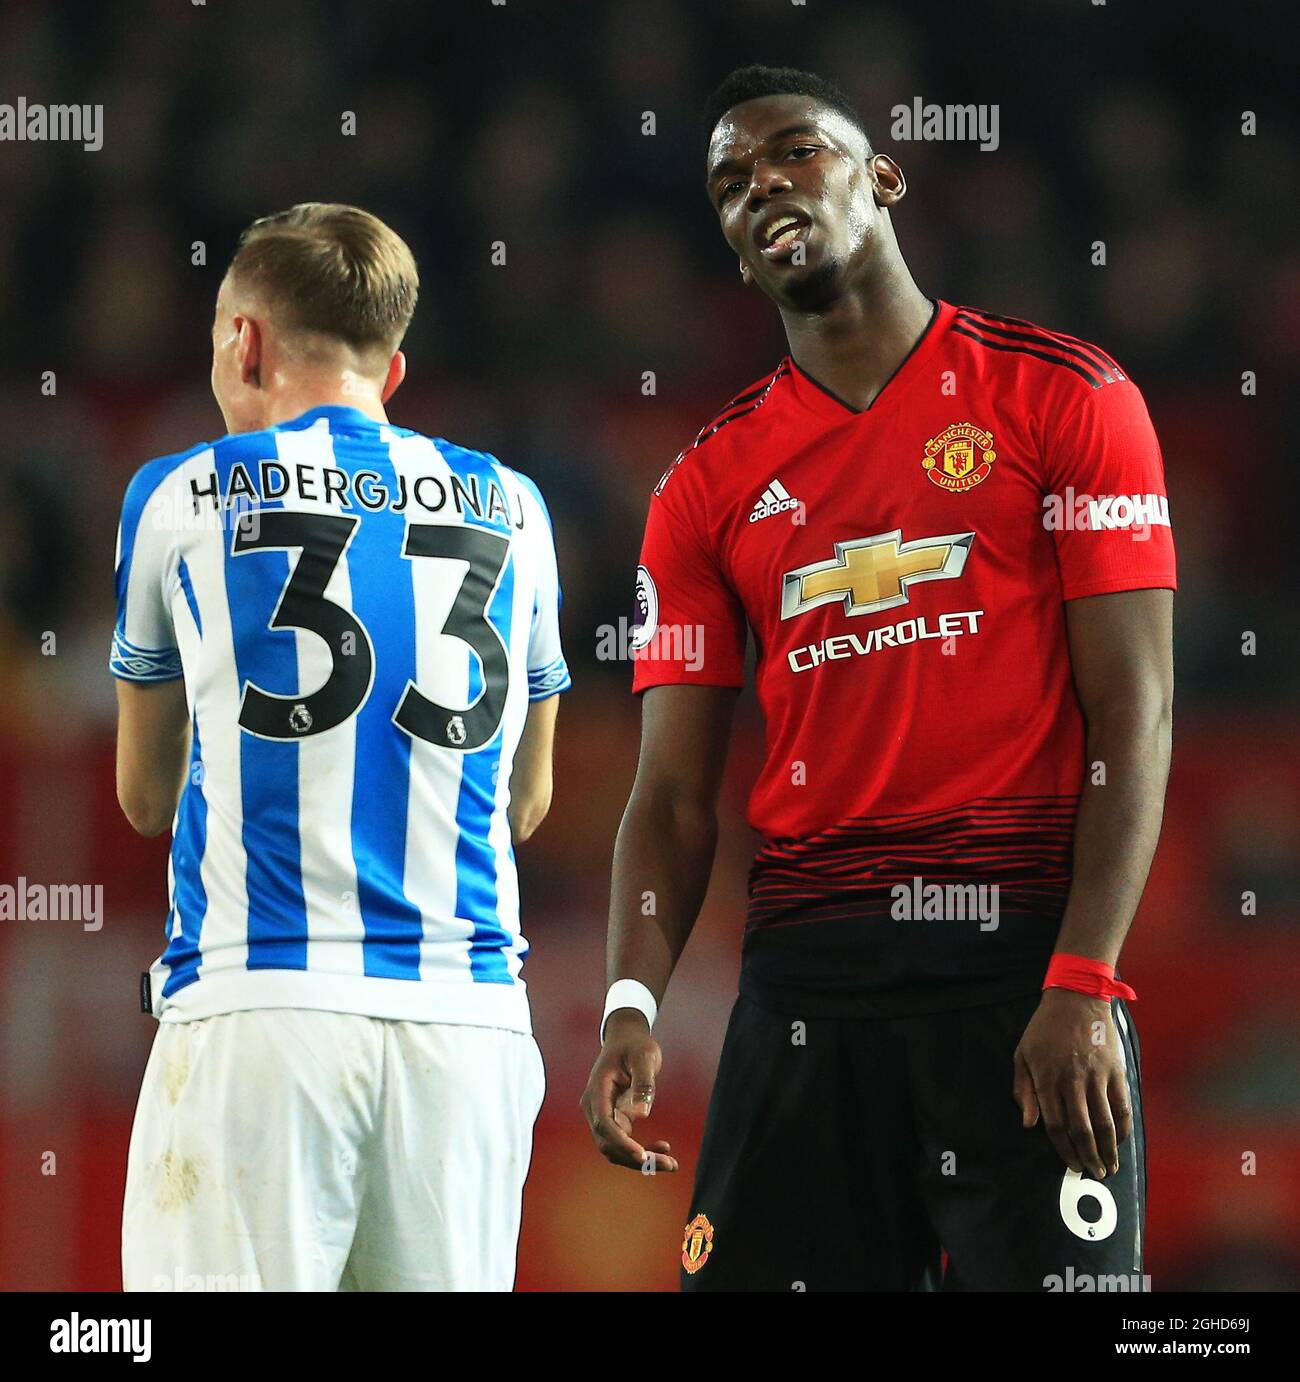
(948,533)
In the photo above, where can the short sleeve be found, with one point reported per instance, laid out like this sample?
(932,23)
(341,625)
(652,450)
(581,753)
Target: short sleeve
(144,640)
(1106,503)
(548,672)
(689,626)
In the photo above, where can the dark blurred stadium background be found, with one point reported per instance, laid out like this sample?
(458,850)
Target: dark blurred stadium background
(522,123)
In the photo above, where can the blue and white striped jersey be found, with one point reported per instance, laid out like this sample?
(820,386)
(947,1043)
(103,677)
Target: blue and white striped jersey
(362,616)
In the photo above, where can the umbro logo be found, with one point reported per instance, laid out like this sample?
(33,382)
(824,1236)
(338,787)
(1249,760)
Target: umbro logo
(774,499)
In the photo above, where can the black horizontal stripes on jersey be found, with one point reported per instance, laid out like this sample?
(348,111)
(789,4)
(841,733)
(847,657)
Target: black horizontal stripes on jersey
(742,403)
(1051,351)
(1090,351)
(1108,376)
(1022,845)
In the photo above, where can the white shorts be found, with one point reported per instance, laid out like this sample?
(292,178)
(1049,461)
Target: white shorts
(289,1150)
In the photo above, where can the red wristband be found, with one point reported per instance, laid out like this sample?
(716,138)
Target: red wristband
(1092,977)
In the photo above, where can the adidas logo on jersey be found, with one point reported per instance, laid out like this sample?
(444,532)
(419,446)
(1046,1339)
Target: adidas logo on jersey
(774,499)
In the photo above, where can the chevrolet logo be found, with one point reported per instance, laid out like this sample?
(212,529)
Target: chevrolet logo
(870,574)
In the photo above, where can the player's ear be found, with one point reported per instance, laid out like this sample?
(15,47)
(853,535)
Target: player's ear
(746,277)
(887,180)
(248,350)
(396,373)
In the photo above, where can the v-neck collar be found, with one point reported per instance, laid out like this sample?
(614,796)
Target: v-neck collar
(817,396)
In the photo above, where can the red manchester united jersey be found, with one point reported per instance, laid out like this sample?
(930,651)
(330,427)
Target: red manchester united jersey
(904,571)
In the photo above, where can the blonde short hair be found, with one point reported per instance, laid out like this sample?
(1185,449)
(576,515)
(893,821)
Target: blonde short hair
(333,269)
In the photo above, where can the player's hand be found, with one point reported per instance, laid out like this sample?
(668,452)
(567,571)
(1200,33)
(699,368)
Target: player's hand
(621,1090)
(1069,1068)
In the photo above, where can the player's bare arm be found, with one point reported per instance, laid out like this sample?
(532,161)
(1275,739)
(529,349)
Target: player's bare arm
(664,851)
(1069,1064)
(153,746)
(532,781)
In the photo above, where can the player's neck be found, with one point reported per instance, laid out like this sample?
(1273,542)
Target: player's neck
(290,404)
(854,346)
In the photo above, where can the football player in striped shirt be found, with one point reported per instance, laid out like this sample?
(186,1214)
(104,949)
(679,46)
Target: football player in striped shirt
(963,633)
(338,655)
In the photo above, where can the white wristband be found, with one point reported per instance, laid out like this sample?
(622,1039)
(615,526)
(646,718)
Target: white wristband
(629,993)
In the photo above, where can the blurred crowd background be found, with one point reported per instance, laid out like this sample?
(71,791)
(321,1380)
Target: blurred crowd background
(522,124)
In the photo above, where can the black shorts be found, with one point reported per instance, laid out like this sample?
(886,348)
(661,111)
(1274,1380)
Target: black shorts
(851,1154)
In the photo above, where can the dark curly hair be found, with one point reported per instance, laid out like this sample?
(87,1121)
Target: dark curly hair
(749,83)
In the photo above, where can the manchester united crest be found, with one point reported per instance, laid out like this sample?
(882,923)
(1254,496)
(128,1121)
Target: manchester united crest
(697,1243)
(959,457)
